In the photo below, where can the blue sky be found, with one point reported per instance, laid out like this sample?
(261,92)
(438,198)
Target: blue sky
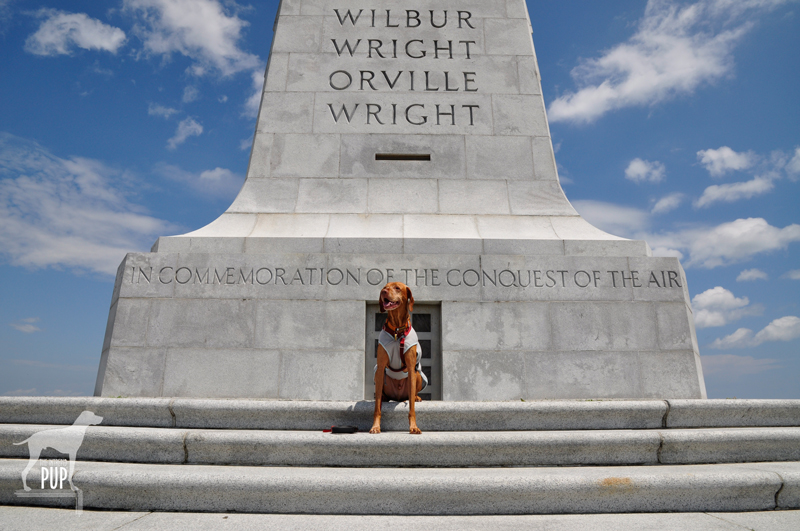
(674,121)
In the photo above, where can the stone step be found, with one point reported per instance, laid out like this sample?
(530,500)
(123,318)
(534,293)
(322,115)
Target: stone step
(441,491)
(27,518)
(431,416)
(431,449)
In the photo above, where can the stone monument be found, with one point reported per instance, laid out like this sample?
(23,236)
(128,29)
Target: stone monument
(403,141)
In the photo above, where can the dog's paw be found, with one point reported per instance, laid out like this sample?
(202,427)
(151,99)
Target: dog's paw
(375,429)
(417,399)
(413,430)
(27,488)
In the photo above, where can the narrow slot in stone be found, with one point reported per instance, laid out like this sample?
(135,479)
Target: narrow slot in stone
(402,156)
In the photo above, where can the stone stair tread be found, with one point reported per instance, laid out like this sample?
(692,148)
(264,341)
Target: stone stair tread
(436,449)
(518,490)
(439,416)
(26,518)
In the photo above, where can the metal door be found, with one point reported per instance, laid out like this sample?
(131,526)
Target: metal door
(427,322)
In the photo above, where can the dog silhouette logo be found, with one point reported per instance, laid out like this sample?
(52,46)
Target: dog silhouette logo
(64,440)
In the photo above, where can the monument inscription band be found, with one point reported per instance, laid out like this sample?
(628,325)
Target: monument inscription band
(401,144)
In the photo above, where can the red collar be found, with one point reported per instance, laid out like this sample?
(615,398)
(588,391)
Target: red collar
(400,332)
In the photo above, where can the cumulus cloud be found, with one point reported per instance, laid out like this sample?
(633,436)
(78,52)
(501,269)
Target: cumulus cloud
(727,243)
(667,203)
(783,329)
(736,366)
(155,109)
(188,127)
(793,167)
(190,94)
(219,182)
(26,326)
(720,161)
(793,274)
(202,30)
(749,275)
(615,219)
(718,307)
(677,48)
(60,33)
(730,193)
(72,213)
(5,14)
(253,103)
(640,171)
(23,392)
(706,246)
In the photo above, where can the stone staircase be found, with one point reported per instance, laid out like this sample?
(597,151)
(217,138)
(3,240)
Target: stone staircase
(541,457)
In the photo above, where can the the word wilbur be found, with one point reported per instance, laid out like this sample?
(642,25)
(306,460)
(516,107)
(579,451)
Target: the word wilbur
(410,18)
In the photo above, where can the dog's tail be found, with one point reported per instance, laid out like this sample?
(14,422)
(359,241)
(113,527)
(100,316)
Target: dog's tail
(22,442)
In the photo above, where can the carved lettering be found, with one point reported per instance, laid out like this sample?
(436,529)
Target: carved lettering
(503,279)
(186,279)
(348,16)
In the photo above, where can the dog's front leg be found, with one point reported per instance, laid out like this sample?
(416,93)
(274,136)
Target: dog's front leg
(413,378)
(380,374)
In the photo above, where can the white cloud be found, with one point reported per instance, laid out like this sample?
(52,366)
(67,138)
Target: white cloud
(783,329)
(793,274)
(188,127)
(615,219)
(736,366)
(253,103)
(202,30)
(720,161)
(219,182)
(730,193)
(23,392)
(643,170)
(667,203)
(5,14)
(677,48)
(190,94)
(70,213)
(60,33)
(246,144)
(155,109)
(728,243)
(718,307)
(706,246)
(793,167)
(749,275)
(26,326)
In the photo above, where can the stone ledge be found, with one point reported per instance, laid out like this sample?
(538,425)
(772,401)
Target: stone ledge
(442,416)
(537,490)
(431,449)
(24,518)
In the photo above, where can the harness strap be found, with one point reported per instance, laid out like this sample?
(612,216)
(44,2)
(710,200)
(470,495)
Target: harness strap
(401,334)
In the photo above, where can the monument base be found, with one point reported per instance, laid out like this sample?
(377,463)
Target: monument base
(283,325)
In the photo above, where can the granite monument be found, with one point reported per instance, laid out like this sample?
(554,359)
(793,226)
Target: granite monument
(401,141)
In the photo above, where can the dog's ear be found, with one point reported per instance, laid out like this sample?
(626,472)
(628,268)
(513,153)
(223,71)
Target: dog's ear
(410,299)
(380,301)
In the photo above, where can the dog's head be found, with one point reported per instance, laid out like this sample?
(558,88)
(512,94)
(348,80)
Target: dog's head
(87,418)
(396,295)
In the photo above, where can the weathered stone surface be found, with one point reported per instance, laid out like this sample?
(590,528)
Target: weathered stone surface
(562,490)
(401,144)
(48,518)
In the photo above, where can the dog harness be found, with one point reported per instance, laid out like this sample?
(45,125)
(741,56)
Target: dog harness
(397,342)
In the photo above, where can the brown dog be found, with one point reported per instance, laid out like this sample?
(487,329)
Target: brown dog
(398,375)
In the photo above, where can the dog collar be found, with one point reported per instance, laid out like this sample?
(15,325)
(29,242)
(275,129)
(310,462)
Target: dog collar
(399,332)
